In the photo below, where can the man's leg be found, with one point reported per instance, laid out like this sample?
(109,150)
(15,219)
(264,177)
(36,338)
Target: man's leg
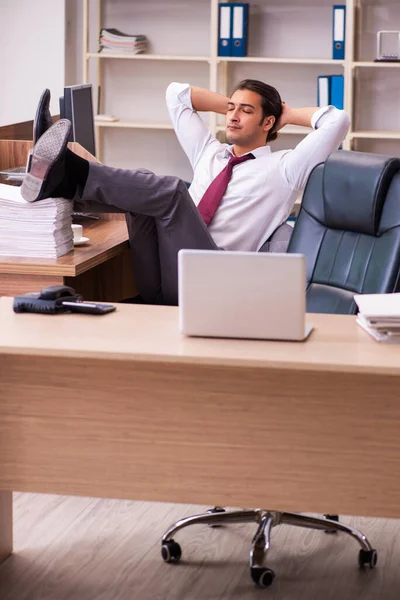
(55,171)
(143,239)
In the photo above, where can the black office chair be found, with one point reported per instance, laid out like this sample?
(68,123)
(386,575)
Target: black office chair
(348,229)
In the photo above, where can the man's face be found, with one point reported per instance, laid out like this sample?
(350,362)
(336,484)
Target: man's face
(244,125)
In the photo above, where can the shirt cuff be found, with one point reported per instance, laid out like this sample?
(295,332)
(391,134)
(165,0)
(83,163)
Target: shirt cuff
(179,93)
(318,114)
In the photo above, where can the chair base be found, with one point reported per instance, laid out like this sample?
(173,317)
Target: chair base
(266,520)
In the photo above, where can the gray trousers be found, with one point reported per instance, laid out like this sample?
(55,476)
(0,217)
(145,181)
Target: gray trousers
(161,218)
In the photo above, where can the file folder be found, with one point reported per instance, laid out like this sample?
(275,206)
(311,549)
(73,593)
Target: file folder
(338,31)
(337,91)
(323,90)
(225,29)
(240,23)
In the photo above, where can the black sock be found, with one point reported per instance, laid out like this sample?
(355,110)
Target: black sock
(75,177)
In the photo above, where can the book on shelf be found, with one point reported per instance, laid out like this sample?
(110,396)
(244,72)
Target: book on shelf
(379,315)
(34,229)
(115,41)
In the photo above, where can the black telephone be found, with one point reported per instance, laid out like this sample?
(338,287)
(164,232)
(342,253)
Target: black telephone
(58,299)
(49,300)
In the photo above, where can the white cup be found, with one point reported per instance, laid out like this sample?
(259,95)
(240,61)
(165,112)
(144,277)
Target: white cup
(77,232)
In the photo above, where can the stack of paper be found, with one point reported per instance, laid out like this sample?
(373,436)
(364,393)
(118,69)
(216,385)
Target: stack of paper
(379,315)
(34,229)
(113,40)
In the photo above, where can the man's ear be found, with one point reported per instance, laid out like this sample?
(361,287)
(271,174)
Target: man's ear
(269,123)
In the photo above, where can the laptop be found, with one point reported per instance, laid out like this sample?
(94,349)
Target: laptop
(248,295)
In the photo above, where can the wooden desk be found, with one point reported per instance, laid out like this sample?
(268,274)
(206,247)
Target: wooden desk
(101,270)
(124,406)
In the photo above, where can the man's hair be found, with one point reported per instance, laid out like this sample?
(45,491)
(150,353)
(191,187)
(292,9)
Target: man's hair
(271,102)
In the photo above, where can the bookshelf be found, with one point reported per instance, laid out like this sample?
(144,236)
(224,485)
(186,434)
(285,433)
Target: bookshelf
(289,46)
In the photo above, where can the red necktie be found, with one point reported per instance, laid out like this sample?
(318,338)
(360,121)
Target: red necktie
(215,191)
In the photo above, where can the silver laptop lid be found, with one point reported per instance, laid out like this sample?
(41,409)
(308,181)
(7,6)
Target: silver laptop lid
(242,294)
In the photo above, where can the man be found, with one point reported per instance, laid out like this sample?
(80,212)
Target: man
(232,204)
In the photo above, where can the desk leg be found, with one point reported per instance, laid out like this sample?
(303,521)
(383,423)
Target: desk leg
(6,525)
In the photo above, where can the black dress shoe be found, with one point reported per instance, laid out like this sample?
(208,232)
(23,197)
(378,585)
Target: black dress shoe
(43,120)
(47,165)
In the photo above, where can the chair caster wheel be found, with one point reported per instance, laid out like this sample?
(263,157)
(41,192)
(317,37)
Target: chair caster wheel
(262,577)
(367,557)
(331,518)
(171,551)
(213,511)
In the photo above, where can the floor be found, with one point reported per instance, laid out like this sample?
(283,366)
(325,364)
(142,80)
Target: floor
(82,548)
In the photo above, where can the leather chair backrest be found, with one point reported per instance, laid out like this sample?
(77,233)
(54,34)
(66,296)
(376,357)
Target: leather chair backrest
(348,228)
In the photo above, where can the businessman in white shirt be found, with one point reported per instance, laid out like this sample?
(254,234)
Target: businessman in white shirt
(230,205)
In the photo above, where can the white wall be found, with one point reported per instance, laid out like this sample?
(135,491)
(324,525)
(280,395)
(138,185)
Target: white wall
(73,42)
(32,35)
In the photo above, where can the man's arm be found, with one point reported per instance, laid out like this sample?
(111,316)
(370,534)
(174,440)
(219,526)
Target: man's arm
(205,101)
(331,127)
(191,131)
(296,116)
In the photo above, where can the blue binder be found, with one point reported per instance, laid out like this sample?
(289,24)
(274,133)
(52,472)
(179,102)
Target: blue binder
(225,29)
(338,31)
(324,96)
(240,25)
(337,91)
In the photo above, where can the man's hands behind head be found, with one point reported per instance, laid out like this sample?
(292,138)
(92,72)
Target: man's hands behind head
(283,119)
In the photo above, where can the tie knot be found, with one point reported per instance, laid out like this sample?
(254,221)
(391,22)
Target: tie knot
(235,160)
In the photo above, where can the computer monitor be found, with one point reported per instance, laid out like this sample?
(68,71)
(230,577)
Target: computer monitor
(77,106)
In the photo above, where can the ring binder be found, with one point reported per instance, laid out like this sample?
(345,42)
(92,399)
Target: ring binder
(323,91)
(240,19)
(337,91)
(225,29)
(331,91)
(338,31)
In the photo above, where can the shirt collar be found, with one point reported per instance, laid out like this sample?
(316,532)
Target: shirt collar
(261,151)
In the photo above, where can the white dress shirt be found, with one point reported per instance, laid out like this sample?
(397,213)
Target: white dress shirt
(261,192)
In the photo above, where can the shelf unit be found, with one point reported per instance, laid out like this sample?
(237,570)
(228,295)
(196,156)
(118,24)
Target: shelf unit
(219,70)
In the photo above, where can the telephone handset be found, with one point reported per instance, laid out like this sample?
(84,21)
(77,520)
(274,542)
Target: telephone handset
(49,300)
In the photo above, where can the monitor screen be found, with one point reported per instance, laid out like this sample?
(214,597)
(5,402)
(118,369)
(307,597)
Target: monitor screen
(77,106)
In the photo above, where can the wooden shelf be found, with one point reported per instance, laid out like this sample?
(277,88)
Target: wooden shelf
(372,64)
(132,125)
(288,130)
(376,135)
(193,58)
(297,61)
(170,57)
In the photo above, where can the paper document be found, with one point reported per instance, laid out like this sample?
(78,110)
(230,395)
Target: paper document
(34,229)
(379,315)
(389,337)
(378,305)
(11,192)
